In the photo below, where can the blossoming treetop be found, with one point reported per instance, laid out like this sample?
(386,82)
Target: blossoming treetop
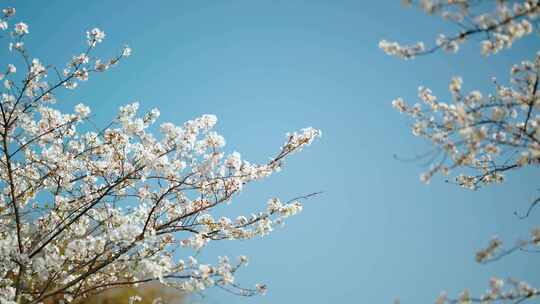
(83,209)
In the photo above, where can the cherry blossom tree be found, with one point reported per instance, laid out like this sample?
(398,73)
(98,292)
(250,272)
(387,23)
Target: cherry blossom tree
(478,137)
(84,209)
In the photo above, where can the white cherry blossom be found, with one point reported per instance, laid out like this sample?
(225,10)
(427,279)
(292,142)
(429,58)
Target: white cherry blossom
(85,208)
(477,138)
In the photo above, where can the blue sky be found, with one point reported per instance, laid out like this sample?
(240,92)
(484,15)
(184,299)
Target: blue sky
(269,67)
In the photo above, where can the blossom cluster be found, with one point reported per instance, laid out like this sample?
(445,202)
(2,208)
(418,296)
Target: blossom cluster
(83,209)
(500,27)
(495,249)
(499,291)
(484,136)
(402,51)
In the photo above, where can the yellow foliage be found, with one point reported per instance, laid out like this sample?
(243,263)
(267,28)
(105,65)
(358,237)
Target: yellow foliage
(148,292)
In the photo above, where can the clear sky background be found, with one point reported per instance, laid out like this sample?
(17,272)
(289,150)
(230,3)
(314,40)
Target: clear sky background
(269,67)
